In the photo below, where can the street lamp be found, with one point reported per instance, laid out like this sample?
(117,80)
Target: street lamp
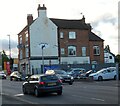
(42,46)
(9,47)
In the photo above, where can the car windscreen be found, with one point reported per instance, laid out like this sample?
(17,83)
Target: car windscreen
(49,78)
(60,72)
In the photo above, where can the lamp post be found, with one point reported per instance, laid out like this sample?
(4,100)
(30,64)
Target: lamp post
(9,47)
(42,58)
(42,46)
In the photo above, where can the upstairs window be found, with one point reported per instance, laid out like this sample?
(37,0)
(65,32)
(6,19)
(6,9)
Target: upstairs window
(71,50)
(62,51)
(72,35)
(61,35)
(83,51)
(21,40)
(96,50)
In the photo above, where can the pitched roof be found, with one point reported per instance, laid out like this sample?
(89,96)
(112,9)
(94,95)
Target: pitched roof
(94,37)
(70,24)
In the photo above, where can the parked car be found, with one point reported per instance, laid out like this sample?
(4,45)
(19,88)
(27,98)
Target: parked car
(76,72)
(64,76)
(2,75)
(44,83)
(86,74)
(103,74)
(17,76)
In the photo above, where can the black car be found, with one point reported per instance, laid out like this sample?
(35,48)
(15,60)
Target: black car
(64,76)
(86,74)
(76,72)
(44,83)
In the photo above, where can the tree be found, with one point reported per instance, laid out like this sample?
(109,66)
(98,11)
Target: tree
(117,58)
(107,48)
(4,58)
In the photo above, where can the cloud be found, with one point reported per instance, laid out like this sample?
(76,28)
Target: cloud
(5,46)
(105,18)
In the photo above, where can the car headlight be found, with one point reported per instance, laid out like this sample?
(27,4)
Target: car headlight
(72,77)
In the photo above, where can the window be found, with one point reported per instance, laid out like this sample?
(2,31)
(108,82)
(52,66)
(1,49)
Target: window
(20,54)
(71,51)
(20,40)
(26,37)
(61,35)
(83,51)
(110,57)
(96,50)
(62,51)
(72,35)
(27,51)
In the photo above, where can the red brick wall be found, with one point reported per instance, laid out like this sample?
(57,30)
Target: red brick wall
(82,40)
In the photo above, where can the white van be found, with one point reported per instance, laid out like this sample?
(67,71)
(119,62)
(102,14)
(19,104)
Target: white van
(105,73)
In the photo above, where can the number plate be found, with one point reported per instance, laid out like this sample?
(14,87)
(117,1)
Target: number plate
(67,80)
(51,84)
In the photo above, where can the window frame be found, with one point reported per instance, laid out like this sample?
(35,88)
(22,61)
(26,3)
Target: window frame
(74,50)
(96,50)
(72,35)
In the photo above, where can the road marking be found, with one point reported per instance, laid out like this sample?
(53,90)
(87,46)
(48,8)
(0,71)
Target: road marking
(88,98)
(98,99)
(19,94)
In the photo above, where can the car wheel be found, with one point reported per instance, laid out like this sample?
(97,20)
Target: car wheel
(24,90)
(10,78)
(36,92)
(70,83)
(59,92)
(100,78)
(115,77)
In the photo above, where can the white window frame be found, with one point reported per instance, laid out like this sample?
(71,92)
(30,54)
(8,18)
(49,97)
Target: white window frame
(62,51)
(83,51)
(21,40)
(71,50)
(72,35)
(27,51)
(96,50)
(61,35)
(21,54)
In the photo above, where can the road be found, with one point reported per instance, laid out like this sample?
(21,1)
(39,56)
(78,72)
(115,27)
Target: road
(81,92)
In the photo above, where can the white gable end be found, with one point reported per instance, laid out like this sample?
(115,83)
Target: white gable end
(43,30)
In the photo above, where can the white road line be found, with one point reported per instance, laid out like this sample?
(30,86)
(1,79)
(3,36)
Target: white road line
(98,99)
(19,94)
(88,98)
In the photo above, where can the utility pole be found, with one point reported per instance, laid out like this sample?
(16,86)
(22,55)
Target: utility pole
(9,47)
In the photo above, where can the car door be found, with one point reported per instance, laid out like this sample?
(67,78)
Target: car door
(32,81)
(105,74)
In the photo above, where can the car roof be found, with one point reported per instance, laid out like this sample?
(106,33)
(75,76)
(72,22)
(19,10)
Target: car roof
(40,75)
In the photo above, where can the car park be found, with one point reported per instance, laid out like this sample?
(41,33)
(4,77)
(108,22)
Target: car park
(76,72)
(64,77)
(17,76)
(2,75)
(44,83)
(104,74)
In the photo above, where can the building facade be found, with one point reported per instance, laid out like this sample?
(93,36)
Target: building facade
(48,41)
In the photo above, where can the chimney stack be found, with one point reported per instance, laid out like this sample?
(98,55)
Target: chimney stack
(29,19)
(41,10)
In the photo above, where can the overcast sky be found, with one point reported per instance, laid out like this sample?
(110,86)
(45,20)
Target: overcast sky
(102,14)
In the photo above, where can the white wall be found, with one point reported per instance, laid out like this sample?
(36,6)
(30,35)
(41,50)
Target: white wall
(43,30)
(79,60)
(107,58)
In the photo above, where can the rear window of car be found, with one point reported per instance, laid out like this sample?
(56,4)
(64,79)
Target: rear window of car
(49,78)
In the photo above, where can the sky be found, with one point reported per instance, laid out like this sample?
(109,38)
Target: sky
(101,14)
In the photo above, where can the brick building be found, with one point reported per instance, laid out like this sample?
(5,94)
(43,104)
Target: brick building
(64,41)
